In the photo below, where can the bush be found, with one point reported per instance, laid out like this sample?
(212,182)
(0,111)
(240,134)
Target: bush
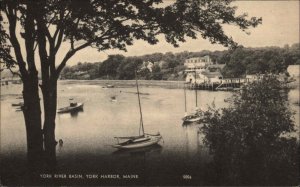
(250,140)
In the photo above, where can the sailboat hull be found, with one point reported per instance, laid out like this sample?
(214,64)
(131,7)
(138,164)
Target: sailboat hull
(146,141)
(192,120)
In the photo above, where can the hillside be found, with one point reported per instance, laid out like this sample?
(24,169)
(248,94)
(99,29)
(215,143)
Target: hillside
(169,66)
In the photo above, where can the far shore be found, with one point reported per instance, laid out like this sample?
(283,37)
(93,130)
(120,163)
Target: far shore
(144,83)
(128,83)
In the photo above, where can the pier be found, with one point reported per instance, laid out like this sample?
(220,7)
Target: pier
(228,84)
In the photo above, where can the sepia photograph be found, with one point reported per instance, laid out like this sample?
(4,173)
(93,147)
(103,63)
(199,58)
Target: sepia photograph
(149,92)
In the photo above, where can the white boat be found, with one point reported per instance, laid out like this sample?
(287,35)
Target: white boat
(195,116)
(144,139)
(191,118)
(109,85)
(138,142)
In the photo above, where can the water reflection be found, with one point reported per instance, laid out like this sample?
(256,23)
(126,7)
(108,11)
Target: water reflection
(153,149)
(74,114)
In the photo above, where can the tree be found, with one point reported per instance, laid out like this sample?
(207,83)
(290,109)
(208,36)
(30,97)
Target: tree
(46,24)
(110,65)
(126,70)
(250,141)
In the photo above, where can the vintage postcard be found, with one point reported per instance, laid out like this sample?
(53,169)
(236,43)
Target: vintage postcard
(149,93)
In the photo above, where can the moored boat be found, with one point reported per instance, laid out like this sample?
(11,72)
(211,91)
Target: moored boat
(195,116)
(138,142)
(109,86)
(72,108)
(141,141)
(191,118)
(20,104)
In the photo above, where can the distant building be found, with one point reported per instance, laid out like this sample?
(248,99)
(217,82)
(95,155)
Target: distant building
(147,65)
(197,63)
(82,75)
(150,66)
(202,70)
(204,77)
(210,77)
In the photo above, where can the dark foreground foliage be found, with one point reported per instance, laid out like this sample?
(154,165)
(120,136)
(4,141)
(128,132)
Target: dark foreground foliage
(250,141)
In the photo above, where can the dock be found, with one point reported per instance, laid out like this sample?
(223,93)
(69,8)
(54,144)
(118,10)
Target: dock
(228,84)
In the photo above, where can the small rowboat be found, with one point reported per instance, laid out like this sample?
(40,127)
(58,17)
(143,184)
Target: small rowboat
(72,108)
(18,104)
(138,141)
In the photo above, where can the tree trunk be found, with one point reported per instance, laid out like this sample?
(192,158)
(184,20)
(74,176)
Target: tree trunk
(32,115)
(49,90)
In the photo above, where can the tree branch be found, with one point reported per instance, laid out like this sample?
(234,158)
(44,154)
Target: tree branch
(69,55)
(14,41)
(14,73)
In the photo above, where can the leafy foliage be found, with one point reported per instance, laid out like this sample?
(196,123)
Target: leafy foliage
(259,60)
(114,24)
(237,62)
(250,141)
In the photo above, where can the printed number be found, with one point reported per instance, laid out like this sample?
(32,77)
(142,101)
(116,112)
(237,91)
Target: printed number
(187,177)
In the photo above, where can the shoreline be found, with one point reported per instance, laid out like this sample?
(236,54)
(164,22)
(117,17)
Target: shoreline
(128,83)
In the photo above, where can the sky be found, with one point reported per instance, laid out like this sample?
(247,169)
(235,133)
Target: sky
(280,26)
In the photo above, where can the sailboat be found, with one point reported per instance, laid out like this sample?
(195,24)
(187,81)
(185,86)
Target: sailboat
(144,139)
(194,116)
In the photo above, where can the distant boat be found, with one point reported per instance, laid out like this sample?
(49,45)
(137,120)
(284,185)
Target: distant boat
(18,109)
(297,103)
(137,93)
(113,99)
(191,118)
(141,141)
(194,116)
(20,104)
(74,106)
(229,100)
(225,89)
(109,86)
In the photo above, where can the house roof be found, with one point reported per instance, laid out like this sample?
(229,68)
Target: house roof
(212,74)
(219,66)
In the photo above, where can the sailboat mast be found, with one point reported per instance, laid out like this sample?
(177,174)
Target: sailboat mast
(138,93)
(196,89)
(184,97)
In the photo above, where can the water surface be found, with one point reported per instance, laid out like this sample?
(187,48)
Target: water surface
(89,134)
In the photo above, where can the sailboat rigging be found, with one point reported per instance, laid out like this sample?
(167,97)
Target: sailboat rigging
(144,139)
(195,116)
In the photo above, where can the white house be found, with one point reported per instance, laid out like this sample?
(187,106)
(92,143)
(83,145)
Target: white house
(211,77)
(197,63)
(204,77)
(150,66)
(203,69)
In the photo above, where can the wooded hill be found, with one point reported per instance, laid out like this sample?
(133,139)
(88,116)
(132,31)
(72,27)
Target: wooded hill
(169,66)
